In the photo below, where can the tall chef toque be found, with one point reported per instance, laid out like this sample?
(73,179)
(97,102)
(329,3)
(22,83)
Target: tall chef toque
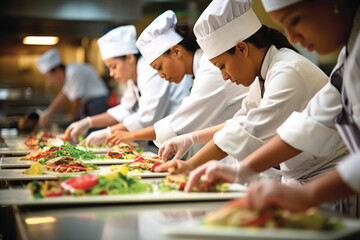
(223,24)
(48,61)
(272,5)
(118,42)
(159,36)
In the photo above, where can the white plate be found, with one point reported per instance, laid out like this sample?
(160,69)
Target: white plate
(149,174)
(17,174)
(197,231)
(15,162)
(23,197)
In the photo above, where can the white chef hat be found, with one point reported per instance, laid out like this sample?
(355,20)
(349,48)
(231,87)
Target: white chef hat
(272,5)
(48,61)
(118,42)
(159,36)
(223,24)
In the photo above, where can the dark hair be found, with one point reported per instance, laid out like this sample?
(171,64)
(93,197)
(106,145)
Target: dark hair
(189,40)
(61,66)
(265,37)
(137,56)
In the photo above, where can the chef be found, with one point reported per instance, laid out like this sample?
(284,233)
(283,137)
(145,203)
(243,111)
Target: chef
(281,81)
(82,86)
(333,110)
(147,97)
(212,100)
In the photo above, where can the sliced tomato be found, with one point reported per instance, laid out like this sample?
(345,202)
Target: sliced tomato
(117,155)
(83,182)
(182,186)
(154,166)
(56,193)
(138,158)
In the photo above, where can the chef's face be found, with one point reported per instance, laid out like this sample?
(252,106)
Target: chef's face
(170,66)
(56,76)
(237,66)
(313,24)
(121,69)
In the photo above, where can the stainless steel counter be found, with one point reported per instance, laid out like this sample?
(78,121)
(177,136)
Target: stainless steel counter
(131,221)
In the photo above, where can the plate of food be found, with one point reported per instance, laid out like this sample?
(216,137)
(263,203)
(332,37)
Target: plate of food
(15,162)
(51,169)
(235,222)
(115,187)
(37,140)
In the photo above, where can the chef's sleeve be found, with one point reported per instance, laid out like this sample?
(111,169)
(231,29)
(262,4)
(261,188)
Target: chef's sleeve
(313,130)
(203,105)
(349,171)
(153,103)
(245,133)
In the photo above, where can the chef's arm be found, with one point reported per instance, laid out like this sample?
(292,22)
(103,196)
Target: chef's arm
(103,120)
(205,135)
(270,154)
(58,102)
(147,133)
(75,106)
(209,152)
(326,188)
(118,127)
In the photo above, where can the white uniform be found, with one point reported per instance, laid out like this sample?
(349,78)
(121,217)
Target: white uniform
(290,82)
(349,169)
(212,101)
(81,81)
(150,100)
(315,130)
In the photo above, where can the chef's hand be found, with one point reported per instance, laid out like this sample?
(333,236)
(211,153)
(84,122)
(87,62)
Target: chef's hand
(214,172)
(97,137)
(119,136)
(44,117)
(175,166)
(178,145)
(269,192)
(78,128)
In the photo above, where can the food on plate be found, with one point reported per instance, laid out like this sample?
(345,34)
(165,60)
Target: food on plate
(141,164)
(234,214)
(178,182)
(41,138)
(47,153)
(146,162)
(63,164)
(123,151)
(90,185)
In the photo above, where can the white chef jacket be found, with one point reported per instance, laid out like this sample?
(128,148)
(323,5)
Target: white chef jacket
(349,168)
(212,101)
(315,131)
(81,81)
(291,81)
(150,100)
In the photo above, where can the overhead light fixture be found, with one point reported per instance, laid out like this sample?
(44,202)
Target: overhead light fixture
(40,220)
(40,40)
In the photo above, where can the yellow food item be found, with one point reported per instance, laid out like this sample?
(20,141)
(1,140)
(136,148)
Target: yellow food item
(35,169)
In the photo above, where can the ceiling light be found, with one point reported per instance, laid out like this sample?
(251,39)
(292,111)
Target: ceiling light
(40,40)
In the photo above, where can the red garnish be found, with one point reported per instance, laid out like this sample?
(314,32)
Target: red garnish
(83,182)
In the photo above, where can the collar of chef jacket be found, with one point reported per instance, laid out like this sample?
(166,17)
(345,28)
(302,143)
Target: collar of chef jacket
(196,61)
(265,67)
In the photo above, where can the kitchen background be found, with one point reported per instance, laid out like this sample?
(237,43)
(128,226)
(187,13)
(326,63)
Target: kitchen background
(77,24)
